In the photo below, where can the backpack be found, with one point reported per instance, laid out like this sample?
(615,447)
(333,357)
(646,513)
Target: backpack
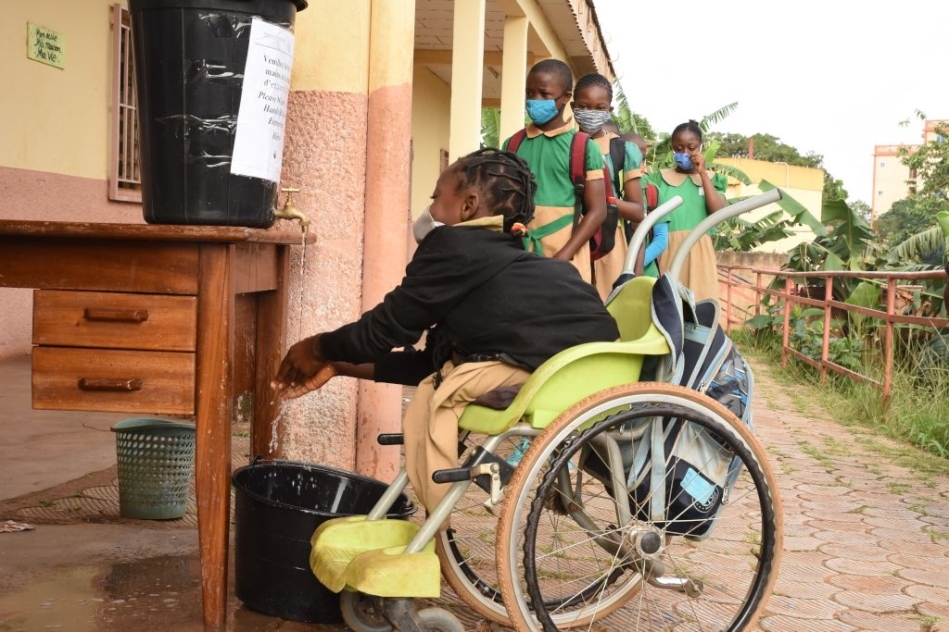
(604,238)
(679,475)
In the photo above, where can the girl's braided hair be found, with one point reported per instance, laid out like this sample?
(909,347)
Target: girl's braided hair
(593,79)
(691,126)
(506,179)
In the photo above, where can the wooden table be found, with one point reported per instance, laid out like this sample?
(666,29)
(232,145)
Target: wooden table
(142,318)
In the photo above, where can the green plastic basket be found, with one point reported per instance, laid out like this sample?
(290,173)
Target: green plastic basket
(156,461)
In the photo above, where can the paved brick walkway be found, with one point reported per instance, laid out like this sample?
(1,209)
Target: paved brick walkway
(866,524)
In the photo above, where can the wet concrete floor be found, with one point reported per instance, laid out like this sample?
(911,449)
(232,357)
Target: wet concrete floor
(112,578)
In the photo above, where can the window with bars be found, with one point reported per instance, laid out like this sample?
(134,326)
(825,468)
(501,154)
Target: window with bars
(125,180)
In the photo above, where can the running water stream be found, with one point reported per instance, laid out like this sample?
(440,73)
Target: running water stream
(275,424)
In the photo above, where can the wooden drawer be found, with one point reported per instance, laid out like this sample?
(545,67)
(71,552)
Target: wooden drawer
(114,320)
(159,382)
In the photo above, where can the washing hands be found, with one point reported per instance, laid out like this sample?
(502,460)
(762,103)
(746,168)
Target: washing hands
(303,370)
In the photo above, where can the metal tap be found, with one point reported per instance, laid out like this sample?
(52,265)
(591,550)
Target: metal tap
(290,211)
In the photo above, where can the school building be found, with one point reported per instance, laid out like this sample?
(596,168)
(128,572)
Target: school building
(892,180)
(383,94)
(804,184)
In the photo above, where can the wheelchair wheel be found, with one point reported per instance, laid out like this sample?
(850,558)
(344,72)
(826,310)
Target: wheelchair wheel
(467,550)
(564,532)
(360,613)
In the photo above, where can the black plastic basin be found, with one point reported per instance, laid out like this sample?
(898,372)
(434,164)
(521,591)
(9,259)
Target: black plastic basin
(277,507)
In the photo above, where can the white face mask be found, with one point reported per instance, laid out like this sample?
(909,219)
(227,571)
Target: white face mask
(425,224)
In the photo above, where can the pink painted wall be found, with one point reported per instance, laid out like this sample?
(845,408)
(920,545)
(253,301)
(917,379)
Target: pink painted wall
(38,195)
(325,157)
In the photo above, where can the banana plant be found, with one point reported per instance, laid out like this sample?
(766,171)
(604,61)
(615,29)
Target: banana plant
(743,235)
(924,251)
(491,127)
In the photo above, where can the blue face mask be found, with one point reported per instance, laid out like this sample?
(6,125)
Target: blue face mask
(683,160)
(541,110)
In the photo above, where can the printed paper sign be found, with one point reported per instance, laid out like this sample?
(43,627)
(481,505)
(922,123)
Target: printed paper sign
(261,120)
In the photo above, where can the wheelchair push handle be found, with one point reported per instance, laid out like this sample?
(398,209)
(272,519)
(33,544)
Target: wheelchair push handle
(723,215)
(638,239)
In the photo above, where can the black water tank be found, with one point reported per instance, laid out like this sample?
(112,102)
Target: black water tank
(277,507)
(192,65)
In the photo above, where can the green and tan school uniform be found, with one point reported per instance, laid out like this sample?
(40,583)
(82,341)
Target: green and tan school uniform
(608,268)
(548,156)
(699,271)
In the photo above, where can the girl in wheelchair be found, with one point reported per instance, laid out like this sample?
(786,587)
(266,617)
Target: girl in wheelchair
(495,313)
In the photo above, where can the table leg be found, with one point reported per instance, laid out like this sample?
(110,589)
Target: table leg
(213,395)
(267,435)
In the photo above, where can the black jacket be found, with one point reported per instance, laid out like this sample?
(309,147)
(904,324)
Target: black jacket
(487,297)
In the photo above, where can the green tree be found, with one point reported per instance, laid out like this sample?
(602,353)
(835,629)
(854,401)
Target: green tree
(770,149)
(929,171)
(862,209)
(491,127)
(908,217)
(930,164)
(628,121)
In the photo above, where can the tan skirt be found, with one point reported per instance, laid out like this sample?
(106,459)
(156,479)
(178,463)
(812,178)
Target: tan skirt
(430,426)
(607,269)
(552,244)
(699,273)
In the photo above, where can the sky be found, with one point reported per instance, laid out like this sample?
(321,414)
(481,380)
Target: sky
(833,77)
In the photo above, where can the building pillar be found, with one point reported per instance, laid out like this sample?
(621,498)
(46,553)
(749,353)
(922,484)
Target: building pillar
(513,75)
(325,158)
(388,173)
(467,77)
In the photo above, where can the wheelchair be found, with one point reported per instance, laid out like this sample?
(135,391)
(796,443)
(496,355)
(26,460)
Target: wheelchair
(641,502)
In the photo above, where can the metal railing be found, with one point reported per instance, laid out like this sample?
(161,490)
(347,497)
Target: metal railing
(756,283)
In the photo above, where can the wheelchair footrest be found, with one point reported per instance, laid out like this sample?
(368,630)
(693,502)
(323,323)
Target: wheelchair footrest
(368,556)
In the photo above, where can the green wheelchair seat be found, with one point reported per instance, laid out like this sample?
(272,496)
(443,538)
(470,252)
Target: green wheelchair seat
(578,372)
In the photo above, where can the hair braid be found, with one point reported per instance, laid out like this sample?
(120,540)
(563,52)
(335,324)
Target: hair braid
(593,79)
(507,181)
(689,126)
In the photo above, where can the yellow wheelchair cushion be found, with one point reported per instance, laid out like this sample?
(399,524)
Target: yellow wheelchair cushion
(391,572)
(367,555)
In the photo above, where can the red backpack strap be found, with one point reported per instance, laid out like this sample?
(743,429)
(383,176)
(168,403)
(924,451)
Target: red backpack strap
(516,140)
(652,197)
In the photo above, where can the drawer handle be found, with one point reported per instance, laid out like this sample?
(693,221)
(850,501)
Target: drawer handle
(116,315)
(110,384)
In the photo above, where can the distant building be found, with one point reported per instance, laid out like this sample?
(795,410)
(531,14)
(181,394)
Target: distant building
(804,184)
(892,180)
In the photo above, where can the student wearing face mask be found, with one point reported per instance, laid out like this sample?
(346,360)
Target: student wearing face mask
(546,149)
(703,193)
(593,109)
